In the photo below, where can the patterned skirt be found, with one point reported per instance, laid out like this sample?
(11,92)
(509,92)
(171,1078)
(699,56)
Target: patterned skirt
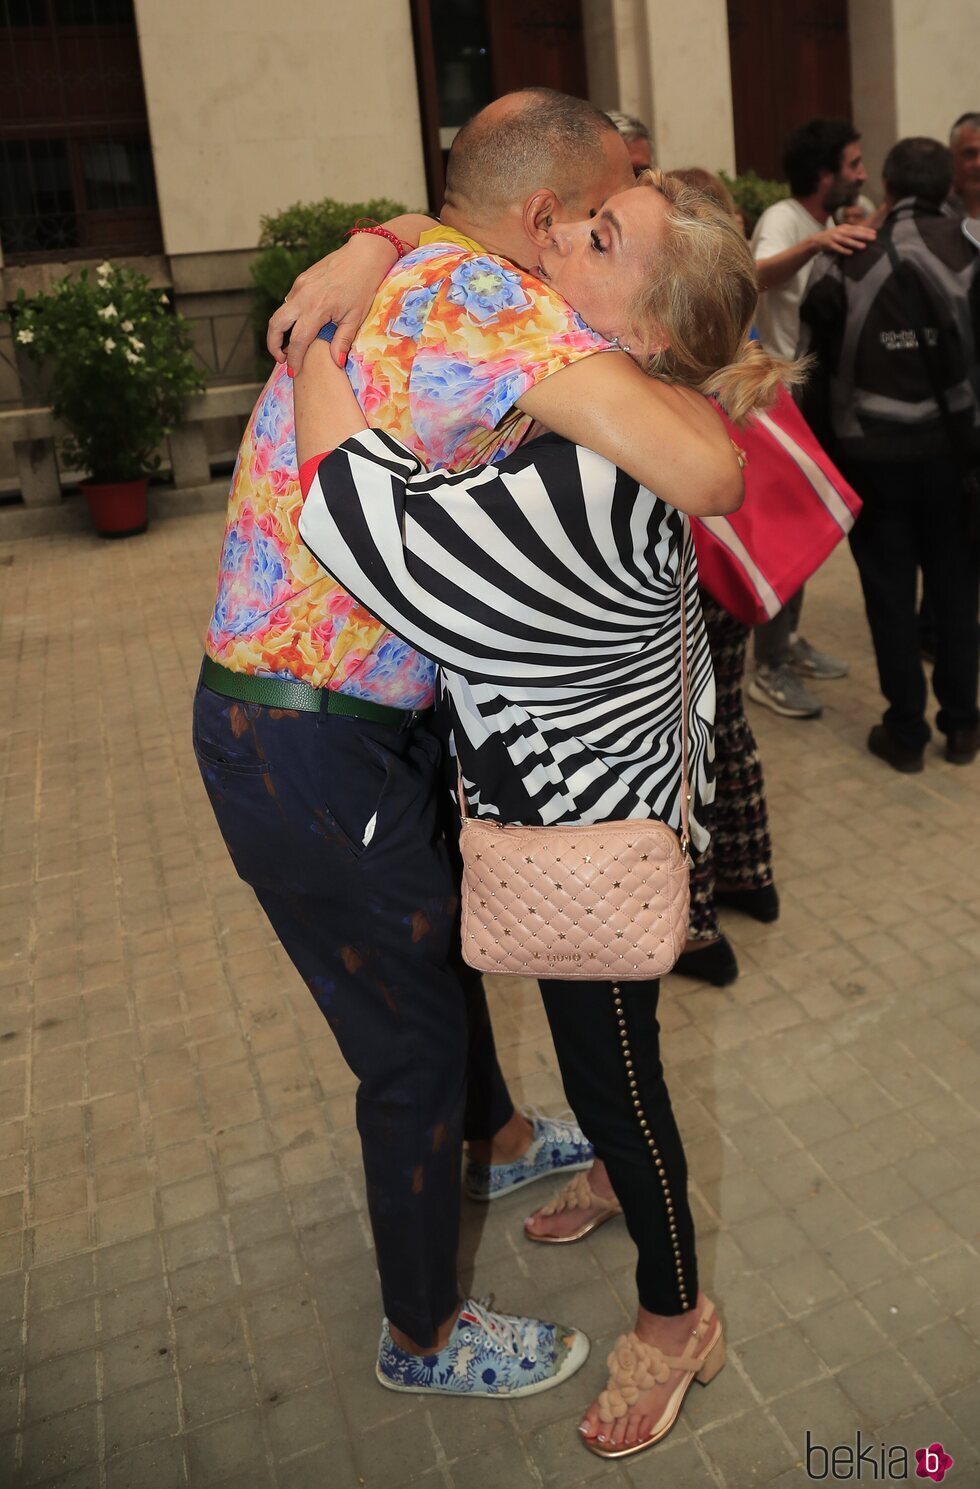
(740,854)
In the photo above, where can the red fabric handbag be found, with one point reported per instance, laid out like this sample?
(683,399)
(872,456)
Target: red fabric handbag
(797,508)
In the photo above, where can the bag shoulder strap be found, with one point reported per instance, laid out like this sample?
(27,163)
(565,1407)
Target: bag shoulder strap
(685,781)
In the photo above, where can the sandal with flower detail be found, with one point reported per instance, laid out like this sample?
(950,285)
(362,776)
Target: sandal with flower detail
(577,1194)
(635,1367)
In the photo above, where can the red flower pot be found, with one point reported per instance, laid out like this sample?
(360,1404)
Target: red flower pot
(118,508)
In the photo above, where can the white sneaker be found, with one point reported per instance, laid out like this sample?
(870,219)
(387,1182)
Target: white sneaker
(488,1354)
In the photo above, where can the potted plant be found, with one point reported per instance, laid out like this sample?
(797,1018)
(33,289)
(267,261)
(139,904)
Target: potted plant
(291,240)
(120,373)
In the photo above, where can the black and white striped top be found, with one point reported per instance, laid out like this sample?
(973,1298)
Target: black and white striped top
(547,587)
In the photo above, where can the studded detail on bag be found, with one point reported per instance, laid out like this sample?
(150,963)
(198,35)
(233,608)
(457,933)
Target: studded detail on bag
(603,900)
(608,900)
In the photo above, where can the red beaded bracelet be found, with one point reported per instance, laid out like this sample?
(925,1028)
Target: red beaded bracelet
(382,232)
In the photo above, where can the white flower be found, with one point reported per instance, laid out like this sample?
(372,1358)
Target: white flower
(164,300)
(126,326)
(108,312)
(104,269)
(109,344)
(136,344)
(131,356)
(26,336)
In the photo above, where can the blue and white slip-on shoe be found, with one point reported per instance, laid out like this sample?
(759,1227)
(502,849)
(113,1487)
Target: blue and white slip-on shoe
(556,1147)
(488,1354)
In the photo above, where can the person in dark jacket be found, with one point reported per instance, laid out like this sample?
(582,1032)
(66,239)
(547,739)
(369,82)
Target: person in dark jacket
(872,400)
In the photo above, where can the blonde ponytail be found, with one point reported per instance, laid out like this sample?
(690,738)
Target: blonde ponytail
(700,297)
(752,381)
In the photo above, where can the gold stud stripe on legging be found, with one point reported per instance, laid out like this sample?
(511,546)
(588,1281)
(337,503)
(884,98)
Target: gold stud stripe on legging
(651,1144)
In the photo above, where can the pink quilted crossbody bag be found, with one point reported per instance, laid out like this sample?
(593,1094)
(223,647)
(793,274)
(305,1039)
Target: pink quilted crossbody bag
(604,901)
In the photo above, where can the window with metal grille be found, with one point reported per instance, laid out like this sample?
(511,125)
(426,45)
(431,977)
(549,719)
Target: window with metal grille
(76,172)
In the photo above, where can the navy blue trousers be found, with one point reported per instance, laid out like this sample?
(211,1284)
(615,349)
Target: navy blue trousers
(372,928)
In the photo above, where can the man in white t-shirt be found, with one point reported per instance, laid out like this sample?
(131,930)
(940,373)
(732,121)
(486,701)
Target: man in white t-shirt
(823,165)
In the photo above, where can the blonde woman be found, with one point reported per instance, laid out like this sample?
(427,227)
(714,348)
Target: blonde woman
(548,587)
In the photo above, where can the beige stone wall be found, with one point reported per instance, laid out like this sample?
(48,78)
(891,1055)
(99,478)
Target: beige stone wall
(872,36)
(254,104)
(667,64)
(690,74)
(937,64)
(914,69)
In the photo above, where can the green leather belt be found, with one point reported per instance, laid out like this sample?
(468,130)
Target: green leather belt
(279,692)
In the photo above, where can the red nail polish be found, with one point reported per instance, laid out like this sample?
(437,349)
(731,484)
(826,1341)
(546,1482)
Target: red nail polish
(290,372)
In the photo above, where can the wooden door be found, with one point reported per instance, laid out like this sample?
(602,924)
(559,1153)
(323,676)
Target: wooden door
(790,62)
(480,49)
(537,43)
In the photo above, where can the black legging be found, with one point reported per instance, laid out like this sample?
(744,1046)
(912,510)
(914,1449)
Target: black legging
(607,1039)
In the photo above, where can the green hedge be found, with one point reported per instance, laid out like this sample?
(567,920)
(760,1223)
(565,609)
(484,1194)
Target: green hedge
(292,240)
(753,194)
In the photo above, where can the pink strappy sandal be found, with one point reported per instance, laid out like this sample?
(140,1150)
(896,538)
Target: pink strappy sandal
(635,1367)
(577,1194)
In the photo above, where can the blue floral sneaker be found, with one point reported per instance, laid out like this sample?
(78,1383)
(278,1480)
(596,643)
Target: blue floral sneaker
(556,1147)
(488,1354)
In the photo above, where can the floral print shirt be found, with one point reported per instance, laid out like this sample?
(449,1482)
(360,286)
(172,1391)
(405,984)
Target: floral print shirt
(453,340)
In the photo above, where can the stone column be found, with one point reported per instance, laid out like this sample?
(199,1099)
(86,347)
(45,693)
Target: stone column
(668,65)
(913,70)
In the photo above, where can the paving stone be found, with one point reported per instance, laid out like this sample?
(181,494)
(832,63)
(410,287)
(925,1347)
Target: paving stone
(306,1418)
(964,1407)
(778,1361)
(203,1283)
(61,1331)
(864,1257)
(60,1384)
(160,1464)
(803,1282)
(221,1449)
(823,1408)
(133,1307)
(832,1169)
(189,1200)
(196,1241)
(141,1415)
(289,1363)
(129,1261)
(944,1356)
(144,1355)
(210,1334)
(841,1333)
(216,1391)
(281,1311)
(748,1450)
(403,1453)
(770,1239)
(59,1443)
(901,1307)
(882,1387)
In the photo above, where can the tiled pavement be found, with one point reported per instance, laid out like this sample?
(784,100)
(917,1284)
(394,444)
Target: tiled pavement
(186,1285)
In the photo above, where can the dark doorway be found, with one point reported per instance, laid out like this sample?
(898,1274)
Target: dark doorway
(76,171)
(790,62)
(469,52)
